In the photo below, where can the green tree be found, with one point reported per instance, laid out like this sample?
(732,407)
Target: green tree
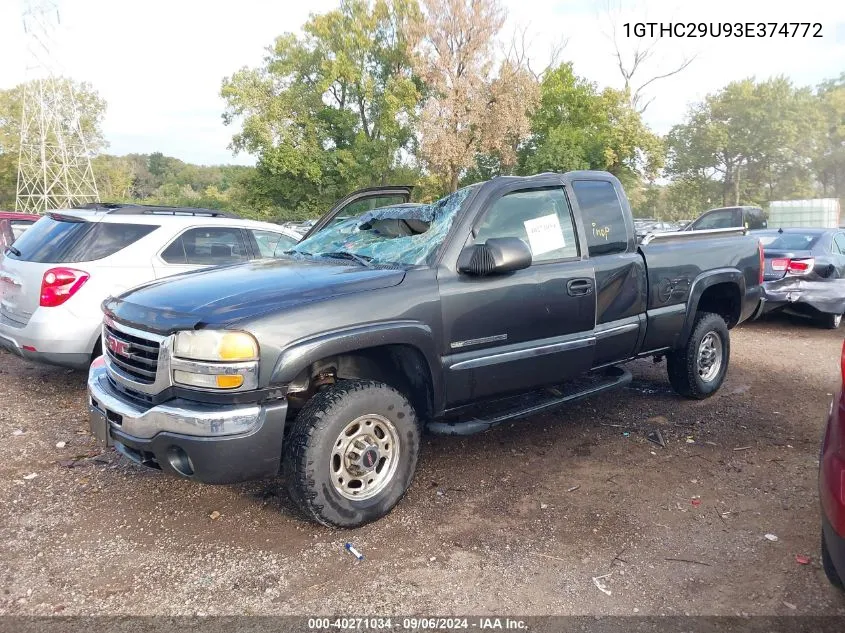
(576,126)
(829,162)
(114,176)
(754,139)
(330,110)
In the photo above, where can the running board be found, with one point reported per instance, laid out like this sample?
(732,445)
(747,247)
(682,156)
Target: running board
(545,399)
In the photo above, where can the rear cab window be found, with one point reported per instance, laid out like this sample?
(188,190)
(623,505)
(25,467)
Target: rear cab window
(58,239)
(603,217)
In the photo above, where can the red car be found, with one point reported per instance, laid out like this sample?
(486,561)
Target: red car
(832,488)
(12,225)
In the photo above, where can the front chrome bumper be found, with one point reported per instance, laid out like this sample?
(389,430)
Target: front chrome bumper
(215,444)
(176,416)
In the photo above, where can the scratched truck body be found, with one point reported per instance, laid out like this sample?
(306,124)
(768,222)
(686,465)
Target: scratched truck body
(505,298)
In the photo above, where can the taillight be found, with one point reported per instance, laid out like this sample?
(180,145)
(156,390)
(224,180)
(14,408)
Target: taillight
(800,266)
(60,284)
(762,260)
(793,266)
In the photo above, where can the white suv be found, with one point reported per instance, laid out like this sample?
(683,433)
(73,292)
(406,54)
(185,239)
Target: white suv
(54,278)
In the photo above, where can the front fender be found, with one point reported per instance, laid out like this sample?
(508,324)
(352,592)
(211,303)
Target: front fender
(300,354)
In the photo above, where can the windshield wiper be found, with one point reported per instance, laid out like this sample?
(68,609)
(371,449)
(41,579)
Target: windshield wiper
(14,251)
(361,259)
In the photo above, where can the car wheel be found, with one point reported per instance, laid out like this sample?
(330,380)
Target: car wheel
(698,369)
(831,321)
(827,565)
(352,453)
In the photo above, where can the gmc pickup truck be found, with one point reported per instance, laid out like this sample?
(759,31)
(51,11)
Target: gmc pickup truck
(503,299)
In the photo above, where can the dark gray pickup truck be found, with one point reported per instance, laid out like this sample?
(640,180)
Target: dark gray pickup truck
(503,299)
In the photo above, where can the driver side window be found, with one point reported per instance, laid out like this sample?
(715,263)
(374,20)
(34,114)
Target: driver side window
(541,218)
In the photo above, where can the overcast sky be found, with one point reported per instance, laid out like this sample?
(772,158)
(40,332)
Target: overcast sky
(159,63)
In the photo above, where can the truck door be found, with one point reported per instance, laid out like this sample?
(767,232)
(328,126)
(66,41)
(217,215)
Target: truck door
(620,269)
(524,329)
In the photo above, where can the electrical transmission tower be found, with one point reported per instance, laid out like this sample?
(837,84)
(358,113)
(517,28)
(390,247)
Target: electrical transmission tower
(54,165)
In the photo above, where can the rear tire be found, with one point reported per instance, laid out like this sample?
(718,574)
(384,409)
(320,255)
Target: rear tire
(698,369)
(827,565)
(831,321)
(351,453)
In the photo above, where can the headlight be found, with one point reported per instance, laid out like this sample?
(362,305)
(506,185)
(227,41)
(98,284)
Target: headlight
(215,359)
(216,345)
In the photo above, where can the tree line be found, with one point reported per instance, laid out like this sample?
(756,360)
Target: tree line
(405,92)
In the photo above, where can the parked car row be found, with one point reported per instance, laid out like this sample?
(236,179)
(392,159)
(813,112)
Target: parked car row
(804,266)
(56,275)
(54,278)
(226,350)
(328,362)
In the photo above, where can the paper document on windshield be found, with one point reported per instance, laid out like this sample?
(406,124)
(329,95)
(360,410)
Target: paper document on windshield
(544,234)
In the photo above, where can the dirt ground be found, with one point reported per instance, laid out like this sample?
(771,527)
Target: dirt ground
(518,520)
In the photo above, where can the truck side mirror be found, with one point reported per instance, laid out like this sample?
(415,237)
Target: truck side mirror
(496,256)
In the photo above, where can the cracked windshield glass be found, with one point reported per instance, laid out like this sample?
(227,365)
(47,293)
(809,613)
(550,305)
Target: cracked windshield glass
(405,234)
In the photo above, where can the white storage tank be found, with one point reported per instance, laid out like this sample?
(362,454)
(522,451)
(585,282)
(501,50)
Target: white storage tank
(818,213)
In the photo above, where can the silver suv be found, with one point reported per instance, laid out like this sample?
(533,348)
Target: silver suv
(56,275)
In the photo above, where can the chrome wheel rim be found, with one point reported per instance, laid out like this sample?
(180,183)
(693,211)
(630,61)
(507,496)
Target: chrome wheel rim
(709,356)
(364,457)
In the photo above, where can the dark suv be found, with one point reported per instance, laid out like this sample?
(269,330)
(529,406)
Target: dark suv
(751,218)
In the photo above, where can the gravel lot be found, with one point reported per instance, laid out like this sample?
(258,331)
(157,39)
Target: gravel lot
(517,520)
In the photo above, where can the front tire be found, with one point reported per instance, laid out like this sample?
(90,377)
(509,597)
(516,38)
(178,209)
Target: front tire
(351,453)
(698,369)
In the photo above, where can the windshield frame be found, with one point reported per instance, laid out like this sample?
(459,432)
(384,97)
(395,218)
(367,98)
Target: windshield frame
(432,258)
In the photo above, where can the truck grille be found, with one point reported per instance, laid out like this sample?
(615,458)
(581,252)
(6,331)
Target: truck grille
(134,356)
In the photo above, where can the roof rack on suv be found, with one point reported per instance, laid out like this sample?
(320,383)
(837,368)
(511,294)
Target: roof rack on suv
(120,208)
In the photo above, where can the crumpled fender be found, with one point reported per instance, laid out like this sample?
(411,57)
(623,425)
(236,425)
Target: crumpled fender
(825,295)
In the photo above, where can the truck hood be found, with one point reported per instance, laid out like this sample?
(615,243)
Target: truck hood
(221,296)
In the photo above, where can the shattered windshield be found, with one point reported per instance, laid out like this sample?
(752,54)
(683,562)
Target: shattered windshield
(401,234)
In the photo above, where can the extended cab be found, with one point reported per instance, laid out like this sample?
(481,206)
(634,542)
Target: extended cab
(453,316)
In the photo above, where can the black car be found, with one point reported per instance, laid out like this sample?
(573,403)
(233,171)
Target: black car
(804,272)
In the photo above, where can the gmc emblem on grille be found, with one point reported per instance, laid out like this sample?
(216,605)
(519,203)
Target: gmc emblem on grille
(116,346)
